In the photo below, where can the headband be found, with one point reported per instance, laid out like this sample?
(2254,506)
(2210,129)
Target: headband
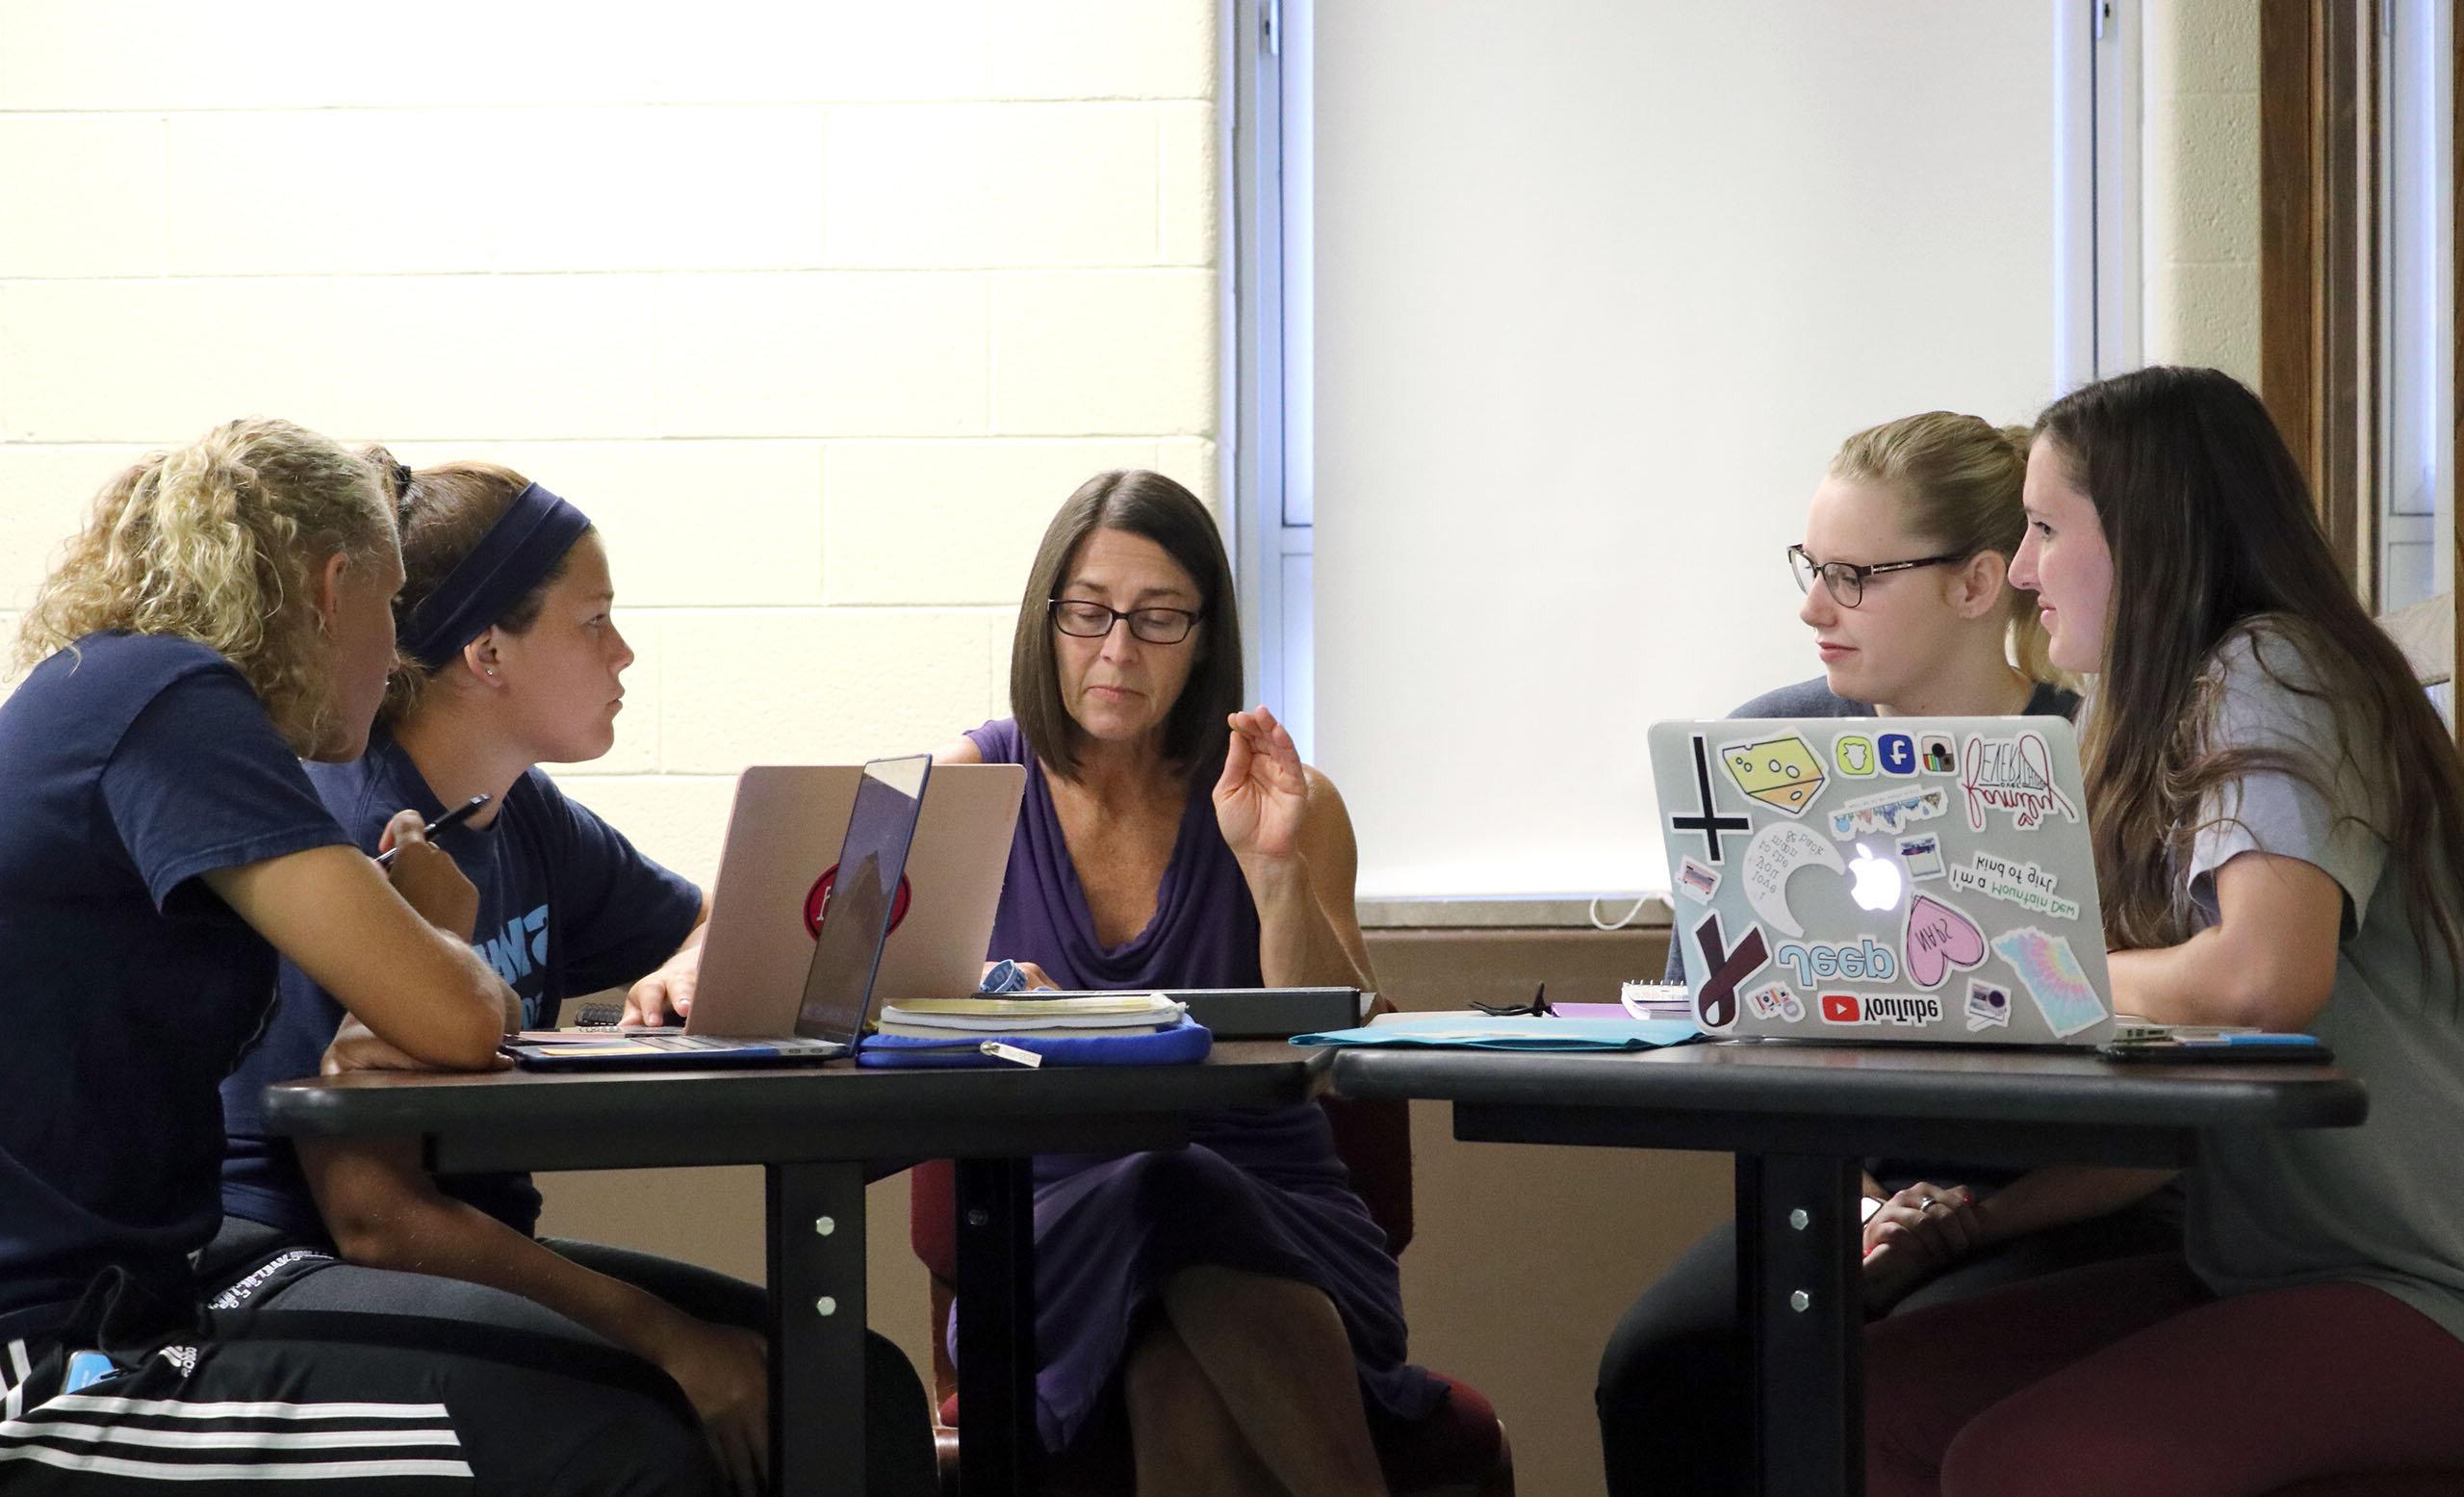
(516,556)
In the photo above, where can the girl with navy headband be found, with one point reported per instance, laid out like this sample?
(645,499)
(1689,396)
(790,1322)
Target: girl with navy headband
(226,613)
(511,658)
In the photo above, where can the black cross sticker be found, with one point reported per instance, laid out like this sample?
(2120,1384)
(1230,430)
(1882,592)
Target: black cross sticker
(1706,818)
(1715,1001)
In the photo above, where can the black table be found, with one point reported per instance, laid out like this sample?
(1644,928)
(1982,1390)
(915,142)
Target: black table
(813,1129)
(1800,1119)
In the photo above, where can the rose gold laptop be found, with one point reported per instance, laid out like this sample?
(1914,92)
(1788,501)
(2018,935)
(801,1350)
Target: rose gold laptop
(778,864)
(837,997)
(783,843)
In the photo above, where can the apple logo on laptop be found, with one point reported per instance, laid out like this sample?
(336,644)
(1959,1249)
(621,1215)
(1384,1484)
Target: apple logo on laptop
(1878,879)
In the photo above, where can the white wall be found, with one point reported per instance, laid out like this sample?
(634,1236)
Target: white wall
(1599,287)
(820,309)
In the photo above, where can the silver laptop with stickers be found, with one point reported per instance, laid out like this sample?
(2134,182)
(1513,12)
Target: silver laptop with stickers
(1904,879)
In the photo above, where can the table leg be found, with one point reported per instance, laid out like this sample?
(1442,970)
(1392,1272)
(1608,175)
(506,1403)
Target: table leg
(816,1225)
(1801,1301)
(998,1440)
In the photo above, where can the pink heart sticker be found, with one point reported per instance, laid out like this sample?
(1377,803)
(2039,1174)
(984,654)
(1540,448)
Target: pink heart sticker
(1939,939)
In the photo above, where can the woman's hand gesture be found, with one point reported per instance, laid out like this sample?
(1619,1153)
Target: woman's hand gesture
(1264,792)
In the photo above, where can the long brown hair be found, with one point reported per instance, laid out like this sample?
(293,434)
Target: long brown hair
(1151,505)
(2212,535)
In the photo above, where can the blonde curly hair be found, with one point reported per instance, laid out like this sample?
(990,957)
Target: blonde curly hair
(221,542)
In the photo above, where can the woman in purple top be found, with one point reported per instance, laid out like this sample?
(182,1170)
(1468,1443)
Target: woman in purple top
(1233,1300)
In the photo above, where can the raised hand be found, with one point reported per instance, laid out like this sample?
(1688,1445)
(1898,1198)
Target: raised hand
(1264,791)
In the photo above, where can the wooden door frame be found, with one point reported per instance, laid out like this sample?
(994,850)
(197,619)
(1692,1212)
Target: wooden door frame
(2318,213)
(2319,221)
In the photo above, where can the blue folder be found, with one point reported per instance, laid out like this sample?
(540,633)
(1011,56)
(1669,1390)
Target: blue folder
(1184,1044)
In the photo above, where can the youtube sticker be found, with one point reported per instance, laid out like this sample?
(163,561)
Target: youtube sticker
(1908,1010)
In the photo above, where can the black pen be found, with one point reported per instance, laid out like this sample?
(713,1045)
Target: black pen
(451,819)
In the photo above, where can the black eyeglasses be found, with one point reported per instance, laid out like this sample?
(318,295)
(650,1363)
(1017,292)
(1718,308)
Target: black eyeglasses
(1538,1008)
(1094,620)
(1846,580)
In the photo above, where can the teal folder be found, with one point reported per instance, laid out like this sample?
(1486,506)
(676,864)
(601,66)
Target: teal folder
(1480,1032)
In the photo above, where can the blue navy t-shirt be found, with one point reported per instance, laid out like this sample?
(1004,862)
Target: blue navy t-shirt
(566,905)
(128,767)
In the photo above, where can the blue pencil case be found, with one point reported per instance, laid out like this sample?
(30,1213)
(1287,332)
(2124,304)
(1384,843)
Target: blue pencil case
(1185,1043)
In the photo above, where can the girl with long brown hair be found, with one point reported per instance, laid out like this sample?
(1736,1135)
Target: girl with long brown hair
(1905,568)
(2279,818)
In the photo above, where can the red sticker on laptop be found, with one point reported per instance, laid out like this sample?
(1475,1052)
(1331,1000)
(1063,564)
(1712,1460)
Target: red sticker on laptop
(818,901)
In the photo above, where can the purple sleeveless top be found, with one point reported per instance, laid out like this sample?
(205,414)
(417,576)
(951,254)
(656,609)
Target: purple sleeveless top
(1205,930)
(1259,1188)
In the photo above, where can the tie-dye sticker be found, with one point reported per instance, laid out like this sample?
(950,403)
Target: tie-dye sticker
(2053,978)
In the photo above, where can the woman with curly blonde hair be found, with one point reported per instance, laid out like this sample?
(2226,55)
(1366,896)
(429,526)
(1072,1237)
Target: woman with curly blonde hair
(227,610)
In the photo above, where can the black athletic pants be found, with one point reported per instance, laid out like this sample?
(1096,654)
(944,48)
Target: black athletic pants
(320,1400)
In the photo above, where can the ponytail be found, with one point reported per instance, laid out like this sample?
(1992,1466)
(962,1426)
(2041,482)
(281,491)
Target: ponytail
(1961,478)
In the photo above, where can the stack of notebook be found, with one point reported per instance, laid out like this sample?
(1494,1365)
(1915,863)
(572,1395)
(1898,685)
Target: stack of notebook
(1657,999)
(997,1013)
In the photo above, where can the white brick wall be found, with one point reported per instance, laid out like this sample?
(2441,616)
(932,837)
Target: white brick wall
(2199,154)
(819,310)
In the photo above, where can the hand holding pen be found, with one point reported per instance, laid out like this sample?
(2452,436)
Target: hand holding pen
(451,819)
(425,876)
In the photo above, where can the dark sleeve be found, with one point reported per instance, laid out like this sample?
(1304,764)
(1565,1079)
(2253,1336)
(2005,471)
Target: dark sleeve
(1812,698)
(201,780)
(618,912)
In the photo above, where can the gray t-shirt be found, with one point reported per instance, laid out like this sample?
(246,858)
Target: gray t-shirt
(2378,1204)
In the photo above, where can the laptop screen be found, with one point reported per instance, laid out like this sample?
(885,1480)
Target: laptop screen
(856,920)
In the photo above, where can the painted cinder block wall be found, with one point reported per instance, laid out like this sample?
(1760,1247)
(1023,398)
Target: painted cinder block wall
(2199,188)
(820,311)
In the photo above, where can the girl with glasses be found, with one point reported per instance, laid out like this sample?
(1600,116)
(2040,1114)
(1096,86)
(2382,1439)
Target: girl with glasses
(1906,569)
(2278,814)
(1230,1307)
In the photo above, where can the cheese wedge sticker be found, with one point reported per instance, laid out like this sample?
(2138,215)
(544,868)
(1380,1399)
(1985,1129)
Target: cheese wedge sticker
(1781,772)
